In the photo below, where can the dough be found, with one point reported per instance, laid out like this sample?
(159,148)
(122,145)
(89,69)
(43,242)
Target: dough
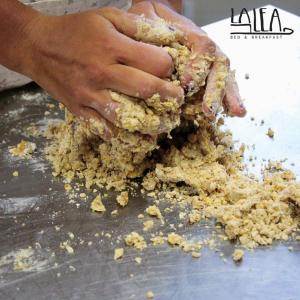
(135,240)
(122,199)
(238,255)
(187,159)
(119,252)
(97,204)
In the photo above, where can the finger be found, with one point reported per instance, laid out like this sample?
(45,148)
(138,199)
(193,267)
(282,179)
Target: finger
(144,8)
(145,86)
(215,87)
(97,124)
(103,104)
(232,101)
(140,28)
(148,58)
(202,55)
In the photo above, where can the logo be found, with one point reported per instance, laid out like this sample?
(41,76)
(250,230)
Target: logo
(258,22)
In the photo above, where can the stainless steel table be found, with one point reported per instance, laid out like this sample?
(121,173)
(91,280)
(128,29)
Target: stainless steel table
(34,208)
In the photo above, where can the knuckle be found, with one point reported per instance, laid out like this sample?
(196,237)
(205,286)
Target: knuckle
(96,73)
(80,97)
(78,94)
(147,91)
(109,10)
(75,109)
(114,10)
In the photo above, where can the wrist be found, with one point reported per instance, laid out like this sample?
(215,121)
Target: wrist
(17,21)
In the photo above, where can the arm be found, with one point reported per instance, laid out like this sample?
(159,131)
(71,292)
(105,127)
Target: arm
(79,57)
(15,22)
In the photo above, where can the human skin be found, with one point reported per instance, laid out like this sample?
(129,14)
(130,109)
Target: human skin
(78,57)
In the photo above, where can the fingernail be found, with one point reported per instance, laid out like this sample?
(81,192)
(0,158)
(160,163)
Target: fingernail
(242,107)
(171,28)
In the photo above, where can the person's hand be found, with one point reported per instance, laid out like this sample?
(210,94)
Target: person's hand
(78,57)
(220,88)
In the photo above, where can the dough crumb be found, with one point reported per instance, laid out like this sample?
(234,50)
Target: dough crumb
(196,254)
(21,261)
(175,239)
(270,133)
(157,240)
(154,211)
(150,295)
(122,199)
(119,253)
(71,235)
(114,213)
(68,187)
(237,255)
(194,217)
(72,268)
(97,204)
(135,240)
(66,245)
(138,260)
(15,173)
(82,195)
(23,150)
(148,225)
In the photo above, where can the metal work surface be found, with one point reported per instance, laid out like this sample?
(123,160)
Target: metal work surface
(35,210)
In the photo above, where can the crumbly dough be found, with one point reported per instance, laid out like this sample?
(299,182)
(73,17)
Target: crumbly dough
(194,217)
(118,254)
(138,260)
(182,156)
(66,245)
(77,149)
(135,240)
(270,133)
(148,225)
(175,239)
(154,211)
(122,199)
(22,259)
(150,295)
(97,204)
(157,32)
(24,149)
(196,254)
(158,240)
(15,173)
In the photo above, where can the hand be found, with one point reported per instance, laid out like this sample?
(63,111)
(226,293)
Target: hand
(219,89)
(78,57)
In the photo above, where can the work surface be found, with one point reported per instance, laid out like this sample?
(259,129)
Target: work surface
(35,210)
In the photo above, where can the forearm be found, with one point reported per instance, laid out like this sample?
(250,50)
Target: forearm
(15,22)
(175,4)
